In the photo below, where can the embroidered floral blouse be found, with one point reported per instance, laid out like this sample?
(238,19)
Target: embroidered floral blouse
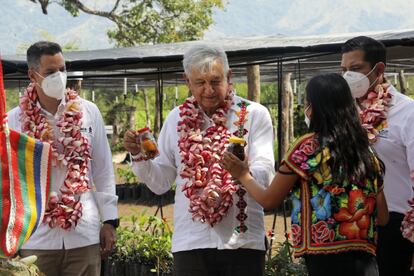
(328,217)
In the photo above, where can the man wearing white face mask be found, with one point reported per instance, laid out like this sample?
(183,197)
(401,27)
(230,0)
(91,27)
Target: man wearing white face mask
(387,115)
(81,214)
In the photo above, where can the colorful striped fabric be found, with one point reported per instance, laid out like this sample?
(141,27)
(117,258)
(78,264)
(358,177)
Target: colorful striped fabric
(24,183)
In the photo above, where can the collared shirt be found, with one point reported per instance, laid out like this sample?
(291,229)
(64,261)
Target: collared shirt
(97,206)
(162,172)
(395,147)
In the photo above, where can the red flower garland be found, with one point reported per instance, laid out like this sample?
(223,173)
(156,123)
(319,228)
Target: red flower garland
(62,211)
(209,187)
(374,111)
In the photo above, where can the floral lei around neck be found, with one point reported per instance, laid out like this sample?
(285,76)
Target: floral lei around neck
(209,187)
(71,150)
(374,111)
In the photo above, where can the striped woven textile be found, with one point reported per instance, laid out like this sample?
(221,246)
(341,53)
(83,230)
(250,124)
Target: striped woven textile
(25,183)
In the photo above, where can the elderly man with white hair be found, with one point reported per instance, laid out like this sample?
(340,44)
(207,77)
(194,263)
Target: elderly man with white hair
(218,227)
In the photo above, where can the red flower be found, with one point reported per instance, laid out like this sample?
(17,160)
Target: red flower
(296,234)
(321,233)
(309,146)
(270,233)
(356,219)
(334,189)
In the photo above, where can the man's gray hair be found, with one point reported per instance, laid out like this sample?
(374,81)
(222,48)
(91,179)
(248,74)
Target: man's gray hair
(202,56)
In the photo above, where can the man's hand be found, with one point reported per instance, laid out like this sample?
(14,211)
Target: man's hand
(234,165)
(131,142)
(107,239)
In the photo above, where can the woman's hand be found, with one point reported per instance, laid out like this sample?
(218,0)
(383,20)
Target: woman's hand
(234,165)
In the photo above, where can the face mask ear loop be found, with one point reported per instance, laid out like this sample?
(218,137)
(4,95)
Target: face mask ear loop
(38,74)
(307,108)
(373,68)
(36,83)
(369,73)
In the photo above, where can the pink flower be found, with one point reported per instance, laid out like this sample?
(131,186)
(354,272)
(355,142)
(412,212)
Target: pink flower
(309,146)
(321,233)
(304,166)
(298,157)
(296,234)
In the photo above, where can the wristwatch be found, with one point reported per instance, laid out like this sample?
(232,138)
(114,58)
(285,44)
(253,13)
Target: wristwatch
(113,222)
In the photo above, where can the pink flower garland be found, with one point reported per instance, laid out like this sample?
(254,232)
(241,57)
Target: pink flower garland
(407,225)
(209,187)
(374,111)
(62,211)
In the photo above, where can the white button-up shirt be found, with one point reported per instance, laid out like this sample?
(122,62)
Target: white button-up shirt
(97,206)
(162,172)
(395,147)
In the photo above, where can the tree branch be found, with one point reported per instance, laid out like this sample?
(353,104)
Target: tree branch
(85,9)
(43,4)
(115,7)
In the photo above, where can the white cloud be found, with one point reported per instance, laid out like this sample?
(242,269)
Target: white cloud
(240,18)
(303,17)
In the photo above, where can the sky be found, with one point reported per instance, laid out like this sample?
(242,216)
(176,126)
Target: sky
(23,23)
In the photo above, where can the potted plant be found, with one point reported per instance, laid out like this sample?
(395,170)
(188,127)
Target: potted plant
(282,262)
(130,190)
(143,248)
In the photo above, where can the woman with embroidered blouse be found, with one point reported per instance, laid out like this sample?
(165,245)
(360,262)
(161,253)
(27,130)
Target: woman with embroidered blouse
(335,184)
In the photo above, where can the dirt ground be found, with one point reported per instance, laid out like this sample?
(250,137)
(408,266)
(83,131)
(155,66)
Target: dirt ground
(129,209)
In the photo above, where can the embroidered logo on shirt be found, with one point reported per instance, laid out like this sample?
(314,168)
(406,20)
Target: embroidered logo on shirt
(84,129)
(383,133)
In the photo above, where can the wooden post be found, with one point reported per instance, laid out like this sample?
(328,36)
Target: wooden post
(401,80)
(253,83)
(157,118)
(146,107)
(286,111)
(131,114)
(291,113)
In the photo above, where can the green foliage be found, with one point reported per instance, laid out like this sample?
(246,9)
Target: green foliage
(127,175)
(70,6)
(12,99)
(282,263)
(152,21)
(300,127)
(162,21)
(147,241)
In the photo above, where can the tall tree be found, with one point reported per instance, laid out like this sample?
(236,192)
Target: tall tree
(149,21)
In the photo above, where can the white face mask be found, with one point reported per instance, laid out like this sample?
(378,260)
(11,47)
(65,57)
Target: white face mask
(307,120)
(358,82)
(54,85)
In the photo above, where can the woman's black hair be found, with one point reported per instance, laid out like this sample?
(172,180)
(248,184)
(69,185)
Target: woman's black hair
(336,121)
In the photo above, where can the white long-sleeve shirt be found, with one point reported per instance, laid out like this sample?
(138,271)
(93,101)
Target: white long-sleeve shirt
(97,206)
(395,147)
(161,173)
